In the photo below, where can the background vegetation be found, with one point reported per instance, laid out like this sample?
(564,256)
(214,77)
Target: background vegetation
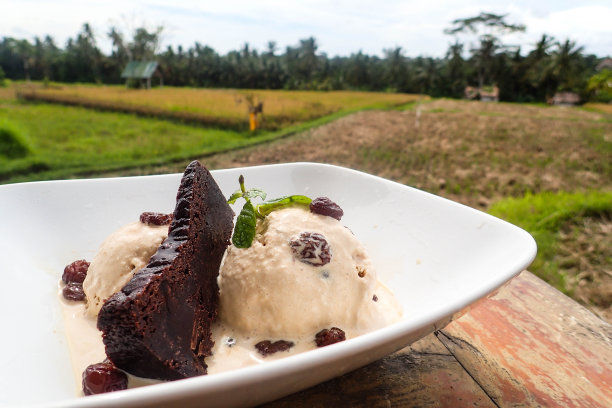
(574,236)
(477,57)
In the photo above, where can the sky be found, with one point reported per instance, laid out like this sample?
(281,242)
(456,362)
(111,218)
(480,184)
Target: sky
(341,27)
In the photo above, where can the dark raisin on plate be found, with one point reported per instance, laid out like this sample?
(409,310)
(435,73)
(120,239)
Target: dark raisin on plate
(326,337)
(311,248)
(325,206)
(155,218)
(266,347)
(103,377)
(76,271)
(73,291)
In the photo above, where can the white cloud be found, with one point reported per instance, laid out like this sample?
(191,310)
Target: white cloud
(340,27)
(588,26)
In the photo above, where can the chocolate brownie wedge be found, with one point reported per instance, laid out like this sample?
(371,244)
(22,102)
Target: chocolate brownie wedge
(158,325)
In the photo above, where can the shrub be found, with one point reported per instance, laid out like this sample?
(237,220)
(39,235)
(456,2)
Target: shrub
(599,87)
(13,144)
(544,215)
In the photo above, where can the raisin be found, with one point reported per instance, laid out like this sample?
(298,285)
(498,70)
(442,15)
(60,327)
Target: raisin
(325,206)
(155,218)
(267,347)
(311,248)
(375,298)
(326,337)
(73,291)
(103,377)
(76,271)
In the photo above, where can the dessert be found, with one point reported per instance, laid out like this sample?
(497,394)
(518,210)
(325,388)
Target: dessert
(168,308)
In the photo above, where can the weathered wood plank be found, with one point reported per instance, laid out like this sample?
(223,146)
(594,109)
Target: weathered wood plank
(529,345)
(423,375)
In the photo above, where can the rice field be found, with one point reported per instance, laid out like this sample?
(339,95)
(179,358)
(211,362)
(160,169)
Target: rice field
(91,129)
(227,108)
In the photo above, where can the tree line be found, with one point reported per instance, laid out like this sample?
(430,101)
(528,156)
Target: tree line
(551,66)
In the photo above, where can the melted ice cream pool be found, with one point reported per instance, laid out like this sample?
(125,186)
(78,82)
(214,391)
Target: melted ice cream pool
(266,291)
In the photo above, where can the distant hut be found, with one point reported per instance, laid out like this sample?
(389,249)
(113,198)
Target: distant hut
(470,92)
(485,94)
(142,71)
(565,99)
(489,94)
(605,64)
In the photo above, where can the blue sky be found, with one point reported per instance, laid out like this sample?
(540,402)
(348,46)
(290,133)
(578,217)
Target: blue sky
(341,27)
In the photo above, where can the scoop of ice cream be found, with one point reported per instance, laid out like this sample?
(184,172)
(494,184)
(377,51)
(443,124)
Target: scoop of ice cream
(121,254)
(304,272)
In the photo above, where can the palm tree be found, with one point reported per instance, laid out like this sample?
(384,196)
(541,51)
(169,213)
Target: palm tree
(23,48)
(567,65)
(484,56)
(455,69)
(539,75)
(489,26)
(397,71)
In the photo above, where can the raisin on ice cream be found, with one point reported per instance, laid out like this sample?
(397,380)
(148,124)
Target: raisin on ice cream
(303,272)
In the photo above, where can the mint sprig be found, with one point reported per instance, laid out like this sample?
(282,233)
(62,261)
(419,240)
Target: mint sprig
(267,207)
(244,231)
(246,194)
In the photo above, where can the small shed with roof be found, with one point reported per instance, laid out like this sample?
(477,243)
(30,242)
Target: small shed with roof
(142,71)
(484,94)
(565,99)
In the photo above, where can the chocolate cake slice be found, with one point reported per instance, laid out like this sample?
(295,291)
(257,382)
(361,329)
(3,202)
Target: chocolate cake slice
(158,325)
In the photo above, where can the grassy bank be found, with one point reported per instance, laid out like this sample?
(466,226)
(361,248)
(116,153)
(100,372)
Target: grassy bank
(67,141)
(574,241)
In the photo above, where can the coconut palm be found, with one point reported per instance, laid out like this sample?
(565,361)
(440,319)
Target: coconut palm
(539,75)
(489,27)
(567,66)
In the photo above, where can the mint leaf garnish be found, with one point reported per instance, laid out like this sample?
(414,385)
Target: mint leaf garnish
(246,223)
(244,232)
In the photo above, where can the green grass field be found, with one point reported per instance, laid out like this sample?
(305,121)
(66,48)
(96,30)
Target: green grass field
(548,217)
(67,141)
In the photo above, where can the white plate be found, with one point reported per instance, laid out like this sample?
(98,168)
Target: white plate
(437,256)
